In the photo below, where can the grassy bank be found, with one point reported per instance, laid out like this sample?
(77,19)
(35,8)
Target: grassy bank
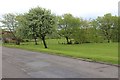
(105,52)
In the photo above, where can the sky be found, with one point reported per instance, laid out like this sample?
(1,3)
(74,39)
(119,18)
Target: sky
(80,8)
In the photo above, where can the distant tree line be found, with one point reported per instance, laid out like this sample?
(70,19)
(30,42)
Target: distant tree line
(41,23)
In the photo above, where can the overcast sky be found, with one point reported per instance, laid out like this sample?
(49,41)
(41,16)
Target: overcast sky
(81,8)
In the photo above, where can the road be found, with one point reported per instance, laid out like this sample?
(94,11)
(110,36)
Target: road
(17,63)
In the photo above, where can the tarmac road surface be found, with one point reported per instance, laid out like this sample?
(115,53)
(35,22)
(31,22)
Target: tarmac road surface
(17,63)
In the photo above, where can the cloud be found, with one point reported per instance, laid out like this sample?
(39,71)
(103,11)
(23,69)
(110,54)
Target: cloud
(81,8)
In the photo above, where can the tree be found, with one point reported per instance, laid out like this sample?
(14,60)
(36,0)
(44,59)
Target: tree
(106,25)
(31,18)
(78,36)
(118,28)
(41,22)
(96,32)
(9,21)
(115,28)
(66,25)
(83,34)
(23,31)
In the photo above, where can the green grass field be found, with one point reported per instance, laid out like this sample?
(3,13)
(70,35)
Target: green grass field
(103,52)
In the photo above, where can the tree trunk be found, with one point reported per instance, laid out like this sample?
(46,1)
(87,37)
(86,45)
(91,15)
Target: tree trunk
(108,40)
(17,42)
(67,40)
(43,39)
(35,39)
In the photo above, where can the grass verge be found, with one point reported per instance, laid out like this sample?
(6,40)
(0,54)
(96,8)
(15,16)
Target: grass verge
(101,52)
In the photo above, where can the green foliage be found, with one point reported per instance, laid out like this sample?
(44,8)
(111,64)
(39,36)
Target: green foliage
(115,28)
(9,21)
(67,23)
(42,19)
(23,31)
(95,32)
(41,22)
(85,34)
(106,24)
